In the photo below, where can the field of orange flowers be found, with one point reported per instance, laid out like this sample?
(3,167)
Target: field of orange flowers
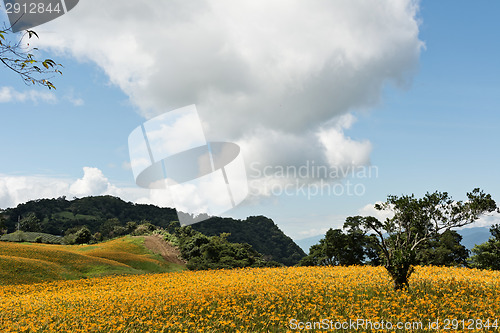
(257,300)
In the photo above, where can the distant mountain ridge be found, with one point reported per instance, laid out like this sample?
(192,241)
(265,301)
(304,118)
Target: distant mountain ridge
(103,214)
(474,236)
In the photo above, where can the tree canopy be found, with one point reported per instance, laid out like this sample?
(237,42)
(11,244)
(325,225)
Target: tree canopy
(443,250)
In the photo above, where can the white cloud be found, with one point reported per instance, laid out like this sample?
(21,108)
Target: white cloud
(311,233)
(92,182)
(282,56)
(76,101)
(340,150)
(19,189)
(301,227)
(328,156)
(485,220)
(276,76)
(126,165)
(9,95)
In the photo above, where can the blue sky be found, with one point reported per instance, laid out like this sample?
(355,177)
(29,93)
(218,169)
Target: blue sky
(435,130)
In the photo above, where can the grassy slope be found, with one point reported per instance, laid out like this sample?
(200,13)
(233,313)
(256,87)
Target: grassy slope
(22,236)
(30,263)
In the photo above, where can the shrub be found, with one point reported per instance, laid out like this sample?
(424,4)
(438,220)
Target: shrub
(143,229)
(82,236)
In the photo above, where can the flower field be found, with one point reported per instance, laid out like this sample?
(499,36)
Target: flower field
(254,300)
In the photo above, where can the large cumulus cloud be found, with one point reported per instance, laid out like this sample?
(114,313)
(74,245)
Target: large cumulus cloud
(278,77)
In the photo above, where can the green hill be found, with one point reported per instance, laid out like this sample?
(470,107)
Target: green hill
(31,263)
(258,231)
(110,217)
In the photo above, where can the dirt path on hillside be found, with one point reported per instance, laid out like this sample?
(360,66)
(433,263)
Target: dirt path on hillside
(158,245)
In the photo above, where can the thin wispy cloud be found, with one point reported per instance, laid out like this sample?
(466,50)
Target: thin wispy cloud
(74,98)
(10,95)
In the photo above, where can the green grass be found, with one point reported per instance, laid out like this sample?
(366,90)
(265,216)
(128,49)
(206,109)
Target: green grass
(30,263)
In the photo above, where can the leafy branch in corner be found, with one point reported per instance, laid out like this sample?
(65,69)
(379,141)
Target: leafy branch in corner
(17,55)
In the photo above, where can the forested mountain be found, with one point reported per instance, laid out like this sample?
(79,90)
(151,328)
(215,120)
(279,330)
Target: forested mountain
(259,231)
(109,217)
(98,213)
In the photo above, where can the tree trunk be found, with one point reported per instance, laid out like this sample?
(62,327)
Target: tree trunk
(400,275)
(400,282)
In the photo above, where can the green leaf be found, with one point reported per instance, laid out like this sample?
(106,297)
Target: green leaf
(31,33)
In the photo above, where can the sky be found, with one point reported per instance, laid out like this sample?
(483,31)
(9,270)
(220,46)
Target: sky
(391,97)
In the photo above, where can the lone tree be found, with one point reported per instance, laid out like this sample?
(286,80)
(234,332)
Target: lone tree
(417,221)
(17,55)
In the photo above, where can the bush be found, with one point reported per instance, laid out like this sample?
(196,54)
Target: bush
(168,237)
(143,229)
(82,236)
(18,236)
(69,239)
(118,231)
(171,239)
(97,237)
